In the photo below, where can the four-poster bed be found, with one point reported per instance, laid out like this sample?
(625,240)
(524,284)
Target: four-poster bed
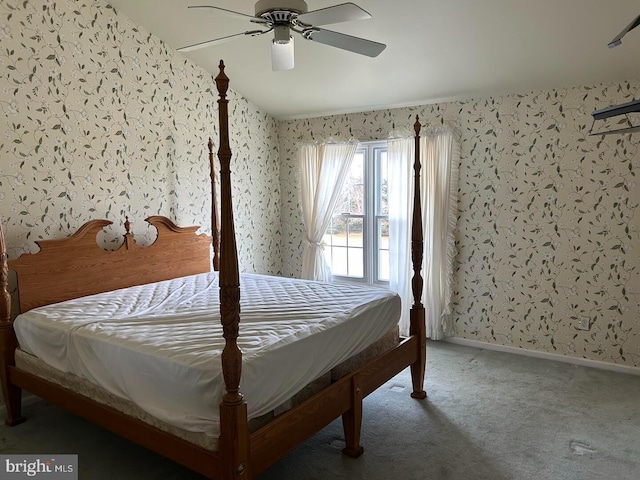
(73,268)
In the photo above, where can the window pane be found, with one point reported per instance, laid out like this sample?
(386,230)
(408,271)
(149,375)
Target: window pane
(347,261)
(382,184)
(382,240)
(339,261)
(338,231)
(352,197)
(356,262)
(383,265)
(355,233)
(345,246)
(383,233)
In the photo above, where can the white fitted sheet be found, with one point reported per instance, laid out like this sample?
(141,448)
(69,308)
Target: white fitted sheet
(159,345)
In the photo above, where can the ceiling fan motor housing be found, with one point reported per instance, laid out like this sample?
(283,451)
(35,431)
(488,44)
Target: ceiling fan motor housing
(292,6)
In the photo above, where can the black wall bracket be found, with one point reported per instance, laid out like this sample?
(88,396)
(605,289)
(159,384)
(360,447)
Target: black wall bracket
(614,111)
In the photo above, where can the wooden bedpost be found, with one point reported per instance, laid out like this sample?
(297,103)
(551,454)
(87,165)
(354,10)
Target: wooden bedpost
(215,229)
(234,431)
(417,317)
(8,343)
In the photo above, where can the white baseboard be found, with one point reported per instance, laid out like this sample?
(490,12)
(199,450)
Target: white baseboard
(546,355)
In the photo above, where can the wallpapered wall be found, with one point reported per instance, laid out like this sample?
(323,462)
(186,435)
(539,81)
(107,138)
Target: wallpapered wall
(549,224)
(102,120)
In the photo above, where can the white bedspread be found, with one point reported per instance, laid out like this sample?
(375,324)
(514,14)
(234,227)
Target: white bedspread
(159,345)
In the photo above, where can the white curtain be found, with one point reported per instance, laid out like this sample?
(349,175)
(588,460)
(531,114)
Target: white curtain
(400,153)
(323,170)
(440,158)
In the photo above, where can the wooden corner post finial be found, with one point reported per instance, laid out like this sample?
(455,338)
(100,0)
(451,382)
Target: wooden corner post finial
(234,430)
(8,342)
(417,316)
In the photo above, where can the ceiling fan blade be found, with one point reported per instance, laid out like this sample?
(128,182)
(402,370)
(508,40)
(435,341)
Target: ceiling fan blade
(618,40)
(216,41)
(345,42)
(230,13)
(345,12)
(282,56)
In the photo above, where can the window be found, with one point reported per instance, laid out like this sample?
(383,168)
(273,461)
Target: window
(357,240)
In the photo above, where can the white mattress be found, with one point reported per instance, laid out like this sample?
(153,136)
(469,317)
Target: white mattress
(159,345)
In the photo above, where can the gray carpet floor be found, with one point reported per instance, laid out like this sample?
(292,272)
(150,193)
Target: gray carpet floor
(488,415)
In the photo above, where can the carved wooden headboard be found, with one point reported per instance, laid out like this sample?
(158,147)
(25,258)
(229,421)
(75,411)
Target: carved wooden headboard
(76,266)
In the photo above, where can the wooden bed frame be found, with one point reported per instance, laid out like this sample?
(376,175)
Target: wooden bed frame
(56,274)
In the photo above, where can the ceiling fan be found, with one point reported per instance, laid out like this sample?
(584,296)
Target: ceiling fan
(284,16)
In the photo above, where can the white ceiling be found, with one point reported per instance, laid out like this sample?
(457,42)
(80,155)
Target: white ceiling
(437,50)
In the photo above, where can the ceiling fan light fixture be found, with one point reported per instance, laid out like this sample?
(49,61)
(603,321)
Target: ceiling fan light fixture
(281,35)
(282,56)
